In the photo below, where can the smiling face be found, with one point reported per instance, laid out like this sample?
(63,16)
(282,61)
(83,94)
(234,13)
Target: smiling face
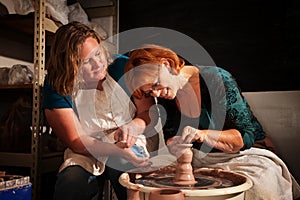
(165,85)
(154,71)
(94,61)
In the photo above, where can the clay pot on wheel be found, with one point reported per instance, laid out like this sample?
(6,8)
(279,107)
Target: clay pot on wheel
(184,170)
(166,194)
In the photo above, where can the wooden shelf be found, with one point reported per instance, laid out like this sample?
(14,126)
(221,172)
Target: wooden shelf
(24,24)
(16,159)
(50,161)
(23,86)
(50,25)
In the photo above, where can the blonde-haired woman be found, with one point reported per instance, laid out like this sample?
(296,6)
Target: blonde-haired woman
(77,99)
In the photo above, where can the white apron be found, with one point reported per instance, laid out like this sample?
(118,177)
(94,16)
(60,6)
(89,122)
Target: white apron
(100,113)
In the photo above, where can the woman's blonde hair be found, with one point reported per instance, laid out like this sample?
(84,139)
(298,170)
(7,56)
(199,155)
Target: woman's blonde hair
(65,60)
(149,54)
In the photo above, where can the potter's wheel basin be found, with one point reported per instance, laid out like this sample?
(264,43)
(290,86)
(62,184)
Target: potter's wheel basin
(210,182)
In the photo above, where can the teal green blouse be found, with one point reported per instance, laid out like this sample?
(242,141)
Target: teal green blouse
(223,107)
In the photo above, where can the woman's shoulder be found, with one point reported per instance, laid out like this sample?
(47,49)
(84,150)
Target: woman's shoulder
(191,68)
(53,99)
(190,71)
(212,69)
(215,72)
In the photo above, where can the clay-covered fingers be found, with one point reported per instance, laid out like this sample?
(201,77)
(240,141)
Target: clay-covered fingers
(173,140)
(118,135)
(128,133)
(189,134)
(119,138)
(131,140)
(172,145)
(121,144)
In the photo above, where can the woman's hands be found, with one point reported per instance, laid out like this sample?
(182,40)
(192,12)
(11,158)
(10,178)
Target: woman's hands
(229,141)
(190,134)
(129,155)
(173,145)
(128,133)
(177,147)
(177,144)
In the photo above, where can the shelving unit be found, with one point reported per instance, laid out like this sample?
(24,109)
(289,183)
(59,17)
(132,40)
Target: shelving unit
(34,28)
(36,160)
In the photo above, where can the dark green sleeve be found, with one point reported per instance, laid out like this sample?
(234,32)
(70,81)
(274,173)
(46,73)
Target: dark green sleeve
(224,107)
(238,113)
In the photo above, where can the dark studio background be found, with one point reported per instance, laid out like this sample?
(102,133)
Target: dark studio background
(257,41)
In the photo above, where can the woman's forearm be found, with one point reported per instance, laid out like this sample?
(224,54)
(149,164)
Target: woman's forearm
(229,141)
(90,146)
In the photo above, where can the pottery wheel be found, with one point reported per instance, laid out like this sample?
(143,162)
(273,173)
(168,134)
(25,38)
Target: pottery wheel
(202,182)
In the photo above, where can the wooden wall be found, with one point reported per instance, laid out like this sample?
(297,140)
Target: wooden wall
(257,41)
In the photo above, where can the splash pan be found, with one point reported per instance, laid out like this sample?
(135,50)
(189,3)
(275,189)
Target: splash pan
(213,183)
